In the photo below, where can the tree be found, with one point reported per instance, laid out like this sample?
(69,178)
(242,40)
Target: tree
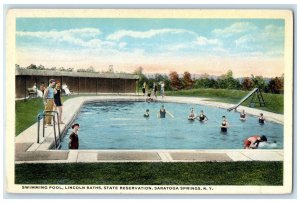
(142,78)
(276,85)
(227,81)
(259,82)
(175,81)
(187,80)
(41,67)
(247,83)
(31,66)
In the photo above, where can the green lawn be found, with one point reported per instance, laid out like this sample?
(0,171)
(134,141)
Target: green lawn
(27,111)
(274,102)
(205,173)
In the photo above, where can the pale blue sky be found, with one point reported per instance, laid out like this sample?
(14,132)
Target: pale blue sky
(150,43)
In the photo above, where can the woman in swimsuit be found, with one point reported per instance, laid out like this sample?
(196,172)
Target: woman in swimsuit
(243,116)
(58,102)
(202,117)
(224,125)
(162,112)
(192,115)
(261,119)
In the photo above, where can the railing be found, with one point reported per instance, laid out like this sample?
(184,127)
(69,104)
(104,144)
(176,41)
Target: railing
(41,116)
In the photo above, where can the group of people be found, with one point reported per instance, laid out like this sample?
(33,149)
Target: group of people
(249,143)
(52,101)
(151,92)
(40,91)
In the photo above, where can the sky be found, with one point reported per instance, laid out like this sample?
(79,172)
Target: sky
(212,46)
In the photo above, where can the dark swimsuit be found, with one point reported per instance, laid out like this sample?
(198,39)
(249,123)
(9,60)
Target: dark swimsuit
(201,117)
(162,113)
(224,129)
(57,100)
(261,121)
(243,115)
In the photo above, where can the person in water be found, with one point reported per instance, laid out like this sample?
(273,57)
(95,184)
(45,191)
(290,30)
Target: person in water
(243,115)
(146,115)
(202,117)
(162,112)
(192,115)
(73,138)
(224,124)
(253,142)
(261,119)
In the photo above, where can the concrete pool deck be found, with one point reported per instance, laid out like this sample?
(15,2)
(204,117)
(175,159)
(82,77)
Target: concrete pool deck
(27,150)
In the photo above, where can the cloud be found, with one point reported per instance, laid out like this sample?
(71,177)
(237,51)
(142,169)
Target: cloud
(85,37)
(269,40)
(122,45)
(235,28)
(205,41)
(245,41)
(116,36)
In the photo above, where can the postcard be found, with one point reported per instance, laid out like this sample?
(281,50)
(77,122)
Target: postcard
(149,101)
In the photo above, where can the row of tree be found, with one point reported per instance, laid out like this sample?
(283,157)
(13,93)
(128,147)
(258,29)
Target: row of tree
(88,70)
(174,82)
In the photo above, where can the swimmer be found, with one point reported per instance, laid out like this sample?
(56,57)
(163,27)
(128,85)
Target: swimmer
(162,112)
(202,117)
(224,125)
(261,119)
(146,115)
(253,142)
(192,115)
(243,116)
(149,98)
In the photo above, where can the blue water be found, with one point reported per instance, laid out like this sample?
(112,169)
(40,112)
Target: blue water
(121,125)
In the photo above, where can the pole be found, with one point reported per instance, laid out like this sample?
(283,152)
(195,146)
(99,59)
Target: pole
(25,88)
(54,131)
(38,133)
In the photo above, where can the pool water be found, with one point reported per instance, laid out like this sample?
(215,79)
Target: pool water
(121,125)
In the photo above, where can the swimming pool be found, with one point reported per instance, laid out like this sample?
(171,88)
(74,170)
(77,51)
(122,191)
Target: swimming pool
(121,125)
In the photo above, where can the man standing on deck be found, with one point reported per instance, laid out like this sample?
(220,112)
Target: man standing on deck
(49,100)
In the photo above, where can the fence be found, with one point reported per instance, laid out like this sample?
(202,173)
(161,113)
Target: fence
(77,82)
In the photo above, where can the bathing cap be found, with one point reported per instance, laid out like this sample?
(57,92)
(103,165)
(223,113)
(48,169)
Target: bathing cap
(264,138)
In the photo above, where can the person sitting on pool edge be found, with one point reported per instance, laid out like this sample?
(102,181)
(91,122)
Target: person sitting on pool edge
(162,112)
(146,115)
(73,138)
(243,115)
(253,142)
(192,115)
(261,119)
(224,124)
(202,117)
(149,98)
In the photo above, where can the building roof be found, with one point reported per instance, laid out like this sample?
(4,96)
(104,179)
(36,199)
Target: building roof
(34,72)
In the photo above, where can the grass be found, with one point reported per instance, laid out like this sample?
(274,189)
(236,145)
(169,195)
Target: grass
(274,102)
(205,173)
(27,111)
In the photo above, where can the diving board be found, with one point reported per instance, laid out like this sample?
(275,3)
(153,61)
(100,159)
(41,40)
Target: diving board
(254,92)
